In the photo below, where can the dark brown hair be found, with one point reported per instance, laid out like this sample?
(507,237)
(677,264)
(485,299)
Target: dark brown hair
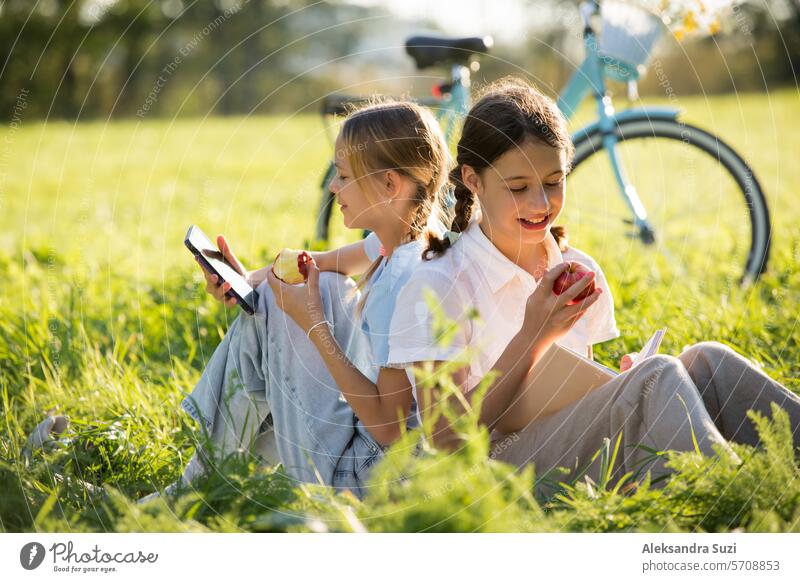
(509,112)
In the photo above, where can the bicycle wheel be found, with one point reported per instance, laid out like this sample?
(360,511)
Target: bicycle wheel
(705,204)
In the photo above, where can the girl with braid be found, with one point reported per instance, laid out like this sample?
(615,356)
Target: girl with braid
(501,258)
(313,356)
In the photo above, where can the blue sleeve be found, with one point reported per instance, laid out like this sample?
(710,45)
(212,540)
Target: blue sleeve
(372,246)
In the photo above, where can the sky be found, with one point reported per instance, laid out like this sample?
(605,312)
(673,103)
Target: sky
(503,19)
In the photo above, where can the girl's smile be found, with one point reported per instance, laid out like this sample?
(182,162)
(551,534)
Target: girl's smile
(521,195)
(535,223)
(343,187)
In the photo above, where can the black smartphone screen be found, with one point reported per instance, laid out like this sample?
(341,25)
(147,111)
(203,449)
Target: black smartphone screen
(212,259)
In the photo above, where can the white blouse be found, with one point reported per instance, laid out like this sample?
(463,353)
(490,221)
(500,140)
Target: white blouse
(473,273)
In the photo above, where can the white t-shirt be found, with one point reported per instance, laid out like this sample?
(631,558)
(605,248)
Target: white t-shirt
(473,273)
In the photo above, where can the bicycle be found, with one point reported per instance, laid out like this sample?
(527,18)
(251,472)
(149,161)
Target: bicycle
(618,54)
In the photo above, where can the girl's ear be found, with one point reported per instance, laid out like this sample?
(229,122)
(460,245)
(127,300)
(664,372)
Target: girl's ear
(392,184)
(471,179)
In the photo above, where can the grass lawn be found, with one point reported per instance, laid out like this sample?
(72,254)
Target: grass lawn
(103,317)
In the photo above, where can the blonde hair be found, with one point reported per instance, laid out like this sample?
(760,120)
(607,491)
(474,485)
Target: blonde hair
(404,137)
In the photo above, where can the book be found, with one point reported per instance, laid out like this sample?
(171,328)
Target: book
(563,376)
(651,347)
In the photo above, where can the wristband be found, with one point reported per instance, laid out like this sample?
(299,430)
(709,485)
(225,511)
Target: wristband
(308,333)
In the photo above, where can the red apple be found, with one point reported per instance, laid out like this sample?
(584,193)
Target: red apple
(291,266)
(573,273)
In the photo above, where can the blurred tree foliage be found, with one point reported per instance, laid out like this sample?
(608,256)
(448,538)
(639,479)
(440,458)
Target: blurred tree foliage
(96,58)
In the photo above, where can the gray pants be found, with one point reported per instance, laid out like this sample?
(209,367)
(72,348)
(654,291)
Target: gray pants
(266,391)
(708,389)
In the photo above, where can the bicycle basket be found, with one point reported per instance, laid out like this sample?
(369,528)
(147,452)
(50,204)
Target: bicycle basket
(629,32)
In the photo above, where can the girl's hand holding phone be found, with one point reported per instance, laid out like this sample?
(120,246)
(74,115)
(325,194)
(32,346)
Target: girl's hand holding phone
(550,315)
(213,287)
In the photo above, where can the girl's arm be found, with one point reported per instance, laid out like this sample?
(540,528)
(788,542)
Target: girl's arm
(442,434)
(601,325)
(382,407)
(521,354)
(348,260)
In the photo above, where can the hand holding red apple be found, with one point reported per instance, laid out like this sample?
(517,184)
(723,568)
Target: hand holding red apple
(550,315)
(303,303)
(291,266)
(573,273)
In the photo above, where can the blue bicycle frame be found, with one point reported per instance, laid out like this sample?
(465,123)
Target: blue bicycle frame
(452,108)
(590,78)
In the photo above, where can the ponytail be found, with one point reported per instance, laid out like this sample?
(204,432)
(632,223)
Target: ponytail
(560,234)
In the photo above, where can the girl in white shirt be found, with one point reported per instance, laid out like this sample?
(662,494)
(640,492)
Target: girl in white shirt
(501,257)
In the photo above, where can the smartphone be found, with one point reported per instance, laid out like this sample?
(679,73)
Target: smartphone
(212,260)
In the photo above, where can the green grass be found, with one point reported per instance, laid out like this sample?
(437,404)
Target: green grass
(103,317)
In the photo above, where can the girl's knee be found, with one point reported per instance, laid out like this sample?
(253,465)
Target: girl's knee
(331,285)
(327,280)
(714,348)
(707,350)
(657,363)
(338,289)
(650,371)
(263,288)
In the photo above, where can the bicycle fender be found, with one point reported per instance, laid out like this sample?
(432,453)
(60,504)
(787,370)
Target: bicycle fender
(626,116)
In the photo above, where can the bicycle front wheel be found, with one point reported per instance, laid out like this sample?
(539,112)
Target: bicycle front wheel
(703,201)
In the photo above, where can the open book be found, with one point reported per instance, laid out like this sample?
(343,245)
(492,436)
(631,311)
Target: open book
(562,376)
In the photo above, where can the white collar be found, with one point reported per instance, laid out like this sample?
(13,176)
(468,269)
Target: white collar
(495,266)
